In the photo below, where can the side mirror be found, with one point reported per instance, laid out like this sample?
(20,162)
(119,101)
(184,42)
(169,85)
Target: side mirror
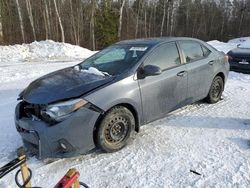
(151,70)
(148,70)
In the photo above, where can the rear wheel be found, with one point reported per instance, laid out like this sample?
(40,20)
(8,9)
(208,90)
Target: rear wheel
(215,91)
(115,129)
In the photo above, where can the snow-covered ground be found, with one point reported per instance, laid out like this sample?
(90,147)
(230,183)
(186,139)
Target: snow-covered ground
(213,140)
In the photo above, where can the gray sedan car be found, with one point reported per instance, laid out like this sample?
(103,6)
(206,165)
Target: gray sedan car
(101,101)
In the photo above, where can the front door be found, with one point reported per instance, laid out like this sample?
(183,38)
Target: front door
(165,92)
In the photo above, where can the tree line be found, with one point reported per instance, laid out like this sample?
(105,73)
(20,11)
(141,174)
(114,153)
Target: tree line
(95,24)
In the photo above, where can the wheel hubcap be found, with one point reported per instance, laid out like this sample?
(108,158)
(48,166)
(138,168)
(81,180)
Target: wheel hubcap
(117,130)
(216,90)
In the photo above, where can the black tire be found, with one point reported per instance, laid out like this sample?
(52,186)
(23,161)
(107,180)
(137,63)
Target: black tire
(215,91)
(115,129)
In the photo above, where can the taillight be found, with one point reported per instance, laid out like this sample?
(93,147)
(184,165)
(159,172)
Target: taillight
(227,57)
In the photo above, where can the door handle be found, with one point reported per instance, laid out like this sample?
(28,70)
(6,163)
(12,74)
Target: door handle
(181,74)
(211,62)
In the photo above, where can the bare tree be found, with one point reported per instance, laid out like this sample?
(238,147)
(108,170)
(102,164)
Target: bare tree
(137,18)
(154,20)
(29,10)
(60,22)
(120,19)
(46,19)
(73,22)
(172,21)
(145,20)
(150,22)
(187,17)
(20,19)
(242,11)
(168,18)
(92,23)
(81,22)
(1,27)
(163,17)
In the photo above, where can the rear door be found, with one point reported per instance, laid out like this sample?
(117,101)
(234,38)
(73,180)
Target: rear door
(167,91)
(200,68)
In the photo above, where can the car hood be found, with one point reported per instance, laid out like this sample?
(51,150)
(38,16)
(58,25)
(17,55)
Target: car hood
(61,85)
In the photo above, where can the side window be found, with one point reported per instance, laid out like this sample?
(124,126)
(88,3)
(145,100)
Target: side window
(192,50)
(205,50)
(166,56)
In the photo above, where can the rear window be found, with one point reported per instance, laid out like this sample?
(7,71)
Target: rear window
(192,50)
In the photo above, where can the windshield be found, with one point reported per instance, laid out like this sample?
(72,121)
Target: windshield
(116,59)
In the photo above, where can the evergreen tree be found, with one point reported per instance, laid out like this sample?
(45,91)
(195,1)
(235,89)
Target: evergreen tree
(106,25)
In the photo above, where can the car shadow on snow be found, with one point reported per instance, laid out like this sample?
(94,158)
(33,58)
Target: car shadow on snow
(208,122)
(241,142)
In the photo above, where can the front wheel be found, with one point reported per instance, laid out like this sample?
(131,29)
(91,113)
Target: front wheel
(115,129)
(215,91)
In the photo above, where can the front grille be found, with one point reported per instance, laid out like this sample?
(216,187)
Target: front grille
(240,59)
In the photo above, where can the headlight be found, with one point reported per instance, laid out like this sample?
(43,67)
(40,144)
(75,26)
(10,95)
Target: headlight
(60,111)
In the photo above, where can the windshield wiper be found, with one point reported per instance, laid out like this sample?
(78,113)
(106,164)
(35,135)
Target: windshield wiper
(105,73)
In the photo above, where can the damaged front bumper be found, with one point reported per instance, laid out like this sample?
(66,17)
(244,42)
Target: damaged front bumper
(71,137)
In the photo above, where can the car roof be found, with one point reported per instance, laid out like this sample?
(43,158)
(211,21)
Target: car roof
(154,41)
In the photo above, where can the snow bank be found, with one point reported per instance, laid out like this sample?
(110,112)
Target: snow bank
(43,51)
(222,46)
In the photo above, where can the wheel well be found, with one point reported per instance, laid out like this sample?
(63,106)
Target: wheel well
(128,106)
(222,76)
(135,114)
